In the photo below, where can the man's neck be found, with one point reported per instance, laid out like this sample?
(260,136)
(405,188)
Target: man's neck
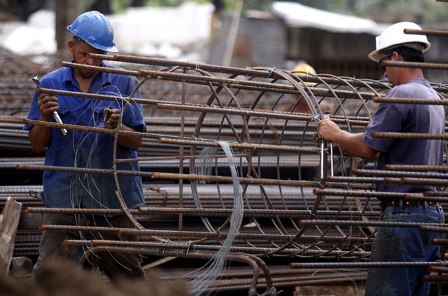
(411,74)
(84,83)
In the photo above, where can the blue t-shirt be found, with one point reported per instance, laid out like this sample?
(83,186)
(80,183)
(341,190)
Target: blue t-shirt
(89,149)
(408,118)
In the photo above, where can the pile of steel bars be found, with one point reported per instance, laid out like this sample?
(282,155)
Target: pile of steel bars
(300,202)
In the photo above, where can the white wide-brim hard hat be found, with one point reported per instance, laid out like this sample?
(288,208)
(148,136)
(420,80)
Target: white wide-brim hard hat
(394,35)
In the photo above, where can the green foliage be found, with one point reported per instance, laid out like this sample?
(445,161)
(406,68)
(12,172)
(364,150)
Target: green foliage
(429,11)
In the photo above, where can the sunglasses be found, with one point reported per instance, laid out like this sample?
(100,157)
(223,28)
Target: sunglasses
(381,62)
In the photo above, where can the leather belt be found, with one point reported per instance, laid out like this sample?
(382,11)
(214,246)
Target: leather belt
(408,203)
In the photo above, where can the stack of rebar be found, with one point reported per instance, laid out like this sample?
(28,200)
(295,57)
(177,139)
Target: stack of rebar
(300,200)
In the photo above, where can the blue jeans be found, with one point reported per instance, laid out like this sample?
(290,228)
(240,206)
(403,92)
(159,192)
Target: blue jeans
(403,244)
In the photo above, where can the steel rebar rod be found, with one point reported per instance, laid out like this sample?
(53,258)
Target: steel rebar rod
(252,146)
(161,175)
(264,73)
(376,194)
(427,181)
(426,136)
(353,179)
(98,96)
(23,166)
(434,66)
(190,254)
(425,196)
(337,277)
(252,112)
(186,157)
(435,278)
(367,264)
(434,228)
(218,212)
(329,281)
(398,174)
(186,235)
(234,83)
(200,108)
(242,180)
(432,32)
(440,241)
(410,101)
(89,211)
(186,247)
(367,223)
(407,167)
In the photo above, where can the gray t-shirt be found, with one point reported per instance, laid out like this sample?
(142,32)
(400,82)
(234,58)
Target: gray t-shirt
(408,118)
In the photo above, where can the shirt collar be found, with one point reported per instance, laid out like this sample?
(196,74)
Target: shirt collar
(104,77)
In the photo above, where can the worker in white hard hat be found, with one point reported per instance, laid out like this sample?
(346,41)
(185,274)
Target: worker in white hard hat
(91,33)
(397,244)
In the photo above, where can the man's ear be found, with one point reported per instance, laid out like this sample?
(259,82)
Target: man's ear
(397,56)
(71,45)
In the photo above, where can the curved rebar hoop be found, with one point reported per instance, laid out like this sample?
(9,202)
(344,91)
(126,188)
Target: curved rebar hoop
(118,192)
(246,121)
(252,261)
(269,118)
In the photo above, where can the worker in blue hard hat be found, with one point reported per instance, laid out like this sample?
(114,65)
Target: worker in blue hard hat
(95,29)
(92,33)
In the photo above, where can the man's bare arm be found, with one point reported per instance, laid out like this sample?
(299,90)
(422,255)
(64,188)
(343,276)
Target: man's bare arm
(350,143)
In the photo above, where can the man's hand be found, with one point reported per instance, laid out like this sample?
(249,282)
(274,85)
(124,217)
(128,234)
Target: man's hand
(111,118)
(328,130)
(47,105)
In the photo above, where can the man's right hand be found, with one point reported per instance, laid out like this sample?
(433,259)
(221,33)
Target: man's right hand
(47,105)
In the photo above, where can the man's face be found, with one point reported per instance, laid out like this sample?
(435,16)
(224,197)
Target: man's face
(80,51)
(389,71)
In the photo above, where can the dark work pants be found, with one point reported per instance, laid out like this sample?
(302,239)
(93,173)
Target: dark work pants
(114,265)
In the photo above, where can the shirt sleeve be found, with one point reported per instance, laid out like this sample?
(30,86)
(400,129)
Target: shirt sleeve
(133,116)
(387,119)
(33,113)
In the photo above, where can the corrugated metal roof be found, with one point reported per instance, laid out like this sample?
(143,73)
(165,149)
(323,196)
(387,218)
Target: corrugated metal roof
(298,15)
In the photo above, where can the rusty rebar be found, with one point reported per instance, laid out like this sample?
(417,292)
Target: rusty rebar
(252,146)
(252,112)
(398,264)
(186,235)
(421,65)
(425,168)
(213,212)
(398,174)
(410,101)
(426,136)
(189,254)
(186,247)
(433,32)
(233,83)
(254,72)
(368,223)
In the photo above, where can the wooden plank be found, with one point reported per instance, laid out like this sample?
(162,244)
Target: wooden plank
(9,220)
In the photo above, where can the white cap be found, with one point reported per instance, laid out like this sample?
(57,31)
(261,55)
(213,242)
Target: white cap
(394,35)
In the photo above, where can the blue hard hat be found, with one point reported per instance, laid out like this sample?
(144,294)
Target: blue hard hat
(95,29)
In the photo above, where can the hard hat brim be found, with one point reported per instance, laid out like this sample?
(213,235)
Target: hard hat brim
(376,54)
